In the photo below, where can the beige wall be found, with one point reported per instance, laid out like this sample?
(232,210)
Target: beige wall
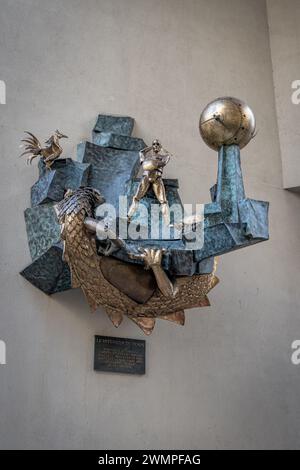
(225,380)
(284,21)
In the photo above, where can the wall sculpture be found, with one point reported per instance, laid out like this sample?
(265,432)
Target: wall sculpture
(73,245)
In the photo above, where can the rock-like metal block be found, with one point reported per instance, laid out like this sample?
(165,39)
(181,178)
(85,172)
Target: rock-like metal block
(65,174)
(47,188)
(49,272)
(117,141)
(42,228)
(118,124)
(231,221)
(182,262)
(253,218)
(111,169)
(205,266)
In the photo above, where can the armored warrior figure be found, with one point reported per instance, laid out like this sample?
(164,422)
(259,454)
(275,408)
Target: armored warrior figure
(153,162)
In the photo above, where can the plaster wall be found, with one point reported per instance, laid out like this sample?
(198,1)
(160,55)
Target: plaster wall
(283,19)
(225,379)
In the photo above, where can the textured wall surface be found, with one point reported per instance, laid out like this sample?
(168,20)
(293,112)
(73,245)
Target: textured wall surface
(225,379)
(284,19)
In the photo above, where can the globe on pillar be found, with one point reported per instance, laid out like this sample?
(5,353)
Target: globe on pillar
(227,121)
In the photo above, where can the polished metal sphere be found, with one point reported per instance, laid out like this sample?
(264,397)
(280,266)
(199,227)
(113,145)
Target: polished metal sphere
(227,121)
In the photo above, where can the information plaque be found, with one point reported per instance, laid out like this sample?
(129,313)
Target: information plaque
(121,355)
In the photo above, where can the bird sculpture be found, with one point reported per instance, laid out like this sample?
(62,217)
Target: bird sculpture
(49,153)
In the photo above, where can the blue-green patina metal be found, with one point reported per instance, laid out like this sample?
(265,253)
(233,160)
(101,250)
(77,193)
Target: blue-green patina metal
(231,220)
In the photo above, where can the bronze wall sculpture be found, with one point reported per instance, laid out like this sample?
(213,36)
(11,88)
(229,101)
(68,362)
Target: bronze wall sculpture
(144,279)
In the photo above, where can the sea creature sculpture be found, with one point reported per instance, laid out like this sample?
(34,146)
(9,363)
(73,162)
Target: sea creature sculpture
(120,288)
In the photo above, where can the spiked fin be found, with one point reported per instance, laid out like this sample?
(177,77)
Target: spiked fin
(214,282)
(176,317)
(204,302)
(146,324)
(91,301)
(114,315)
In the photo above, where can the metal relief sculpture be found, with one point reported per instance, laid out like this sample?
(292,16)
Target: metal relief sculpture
(73,244)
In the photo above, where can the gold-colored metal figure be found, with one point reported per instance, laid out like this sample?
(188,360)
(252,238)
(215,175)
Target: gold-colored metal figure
(123,288)
(153,162)
(49,154)
(152,259)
